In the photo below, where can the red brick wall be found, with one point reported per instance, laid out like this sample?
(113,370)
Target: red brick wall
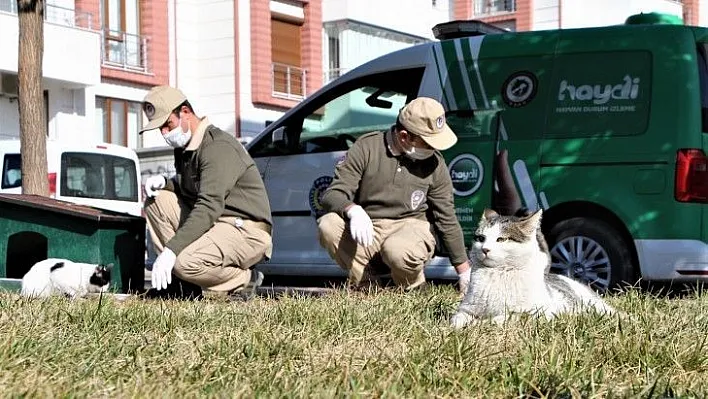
(312,45)
(463,10)
(690,12)
(523,16)
(91,7)
(311,39)
(260,51)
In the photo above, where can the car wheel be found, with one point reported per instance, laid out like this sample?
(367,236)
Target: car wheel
(591,251)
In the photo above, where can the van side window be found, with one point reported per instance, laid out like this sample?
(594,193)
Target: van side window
(703,82)
(340,122)
(339,117)
(11,171)
(98,176)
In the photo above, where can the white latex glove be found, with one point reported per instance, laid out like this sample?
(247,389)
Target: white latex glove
(154,184)
(360,225)
(162,269)
(464,280)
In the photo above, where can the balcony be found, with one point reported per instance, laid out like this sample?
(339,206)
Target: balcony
(71,46)
(55,15)
(288,82)
(124,51)
(486,8)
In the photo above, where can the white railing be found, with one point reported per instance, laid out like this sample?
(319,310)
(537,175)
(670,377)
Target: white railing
(124,51)
(55,15)
(288,81)
(491,7)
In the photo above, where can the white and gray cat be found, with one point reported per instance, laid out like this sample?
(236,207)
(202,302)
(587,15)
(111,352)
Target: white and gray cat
(510,263)
(64,277)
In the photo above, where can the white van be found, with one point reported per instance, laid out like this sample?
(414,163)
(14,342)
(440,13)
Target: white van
(101,175)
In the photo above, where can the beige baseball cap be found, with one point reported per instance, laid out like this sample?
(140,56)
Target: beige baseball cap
(159,104)
(425,117)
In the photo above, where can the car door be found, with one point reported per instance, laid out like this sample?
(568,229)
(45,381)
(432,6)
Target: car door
(302,153)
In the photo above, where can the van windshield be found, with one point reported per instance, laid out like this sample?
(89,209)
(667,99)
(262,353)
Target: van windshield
(98,176)
(11,171)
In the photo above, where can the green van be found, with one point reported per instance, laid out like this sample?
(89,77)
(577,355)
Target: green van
(604,128)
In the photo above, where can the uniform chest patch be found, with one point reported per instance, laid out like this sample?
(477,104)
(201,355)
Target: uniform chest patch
(417,198)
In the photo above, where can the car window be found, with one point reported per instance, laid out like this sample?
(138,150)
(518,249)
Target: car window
(11,171)
(340,122)
(333,121)
(98,176)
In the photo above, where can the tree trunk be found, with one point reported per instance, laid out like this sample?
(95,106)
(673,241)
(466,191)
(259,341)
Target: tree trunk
(33,127)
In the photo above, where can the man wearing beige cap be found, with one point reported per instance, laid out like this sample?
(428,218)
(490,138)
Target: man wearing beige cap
(210,223)
(381,193)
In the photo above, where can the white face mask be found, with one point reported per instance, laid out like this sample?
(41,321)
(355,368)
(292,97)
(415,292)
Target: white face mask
(419,154)
(178,138)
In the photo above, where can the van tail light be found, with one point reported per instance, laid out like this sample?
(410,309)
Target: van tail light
(52,185)
(691,176)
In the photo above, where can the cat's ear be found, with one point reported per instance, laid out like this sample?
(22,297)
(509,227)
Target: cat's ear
(532,222)
(102,267)
(489,214)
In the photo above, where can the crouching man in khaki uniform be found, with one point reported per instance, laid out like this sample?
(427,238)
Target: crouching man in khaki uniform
(378,200)
(211,223)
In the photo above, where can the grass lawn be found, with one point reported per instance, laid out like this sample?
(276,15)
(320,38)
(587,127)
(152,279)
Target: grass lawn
(347,344)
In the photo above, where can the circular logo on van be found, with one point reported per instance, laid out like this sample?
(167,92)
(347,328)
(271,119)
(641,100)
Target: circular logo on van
(467,173)
(519,89)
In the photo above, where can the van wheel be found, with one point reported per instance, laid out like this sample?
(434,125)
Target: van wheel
(592,252)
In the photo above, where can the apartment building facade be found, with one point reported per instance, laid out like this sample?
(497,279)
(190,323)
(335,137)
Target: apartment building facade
(100,58)
(525,15)
(242,63)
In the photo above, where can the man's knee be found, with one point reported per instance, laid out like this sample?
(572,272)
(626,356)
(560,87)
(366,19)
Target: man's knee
(156,206)
(330,228)
(198,258)
(401,253)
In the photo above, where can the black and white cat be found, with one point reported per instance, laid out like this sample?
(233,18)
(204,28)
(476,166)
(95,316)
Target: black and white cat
(64,277)
(510,262)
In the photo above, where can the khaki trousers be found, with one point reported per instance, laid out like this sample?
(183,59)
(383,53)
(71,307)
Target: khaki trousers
(221,259)
(404,245)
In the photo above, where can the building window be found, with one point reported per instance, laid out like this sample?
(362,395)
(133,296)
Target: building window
(118,121)
(286,49)
(122,44)
(333,64)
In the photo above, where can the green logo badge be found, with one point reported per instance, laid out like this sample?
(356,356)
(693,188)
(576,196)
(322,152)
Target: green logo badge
(466,172)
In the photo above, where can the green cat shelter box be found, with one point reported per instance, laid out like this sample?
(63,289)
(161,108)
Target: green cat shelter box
(34,228)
